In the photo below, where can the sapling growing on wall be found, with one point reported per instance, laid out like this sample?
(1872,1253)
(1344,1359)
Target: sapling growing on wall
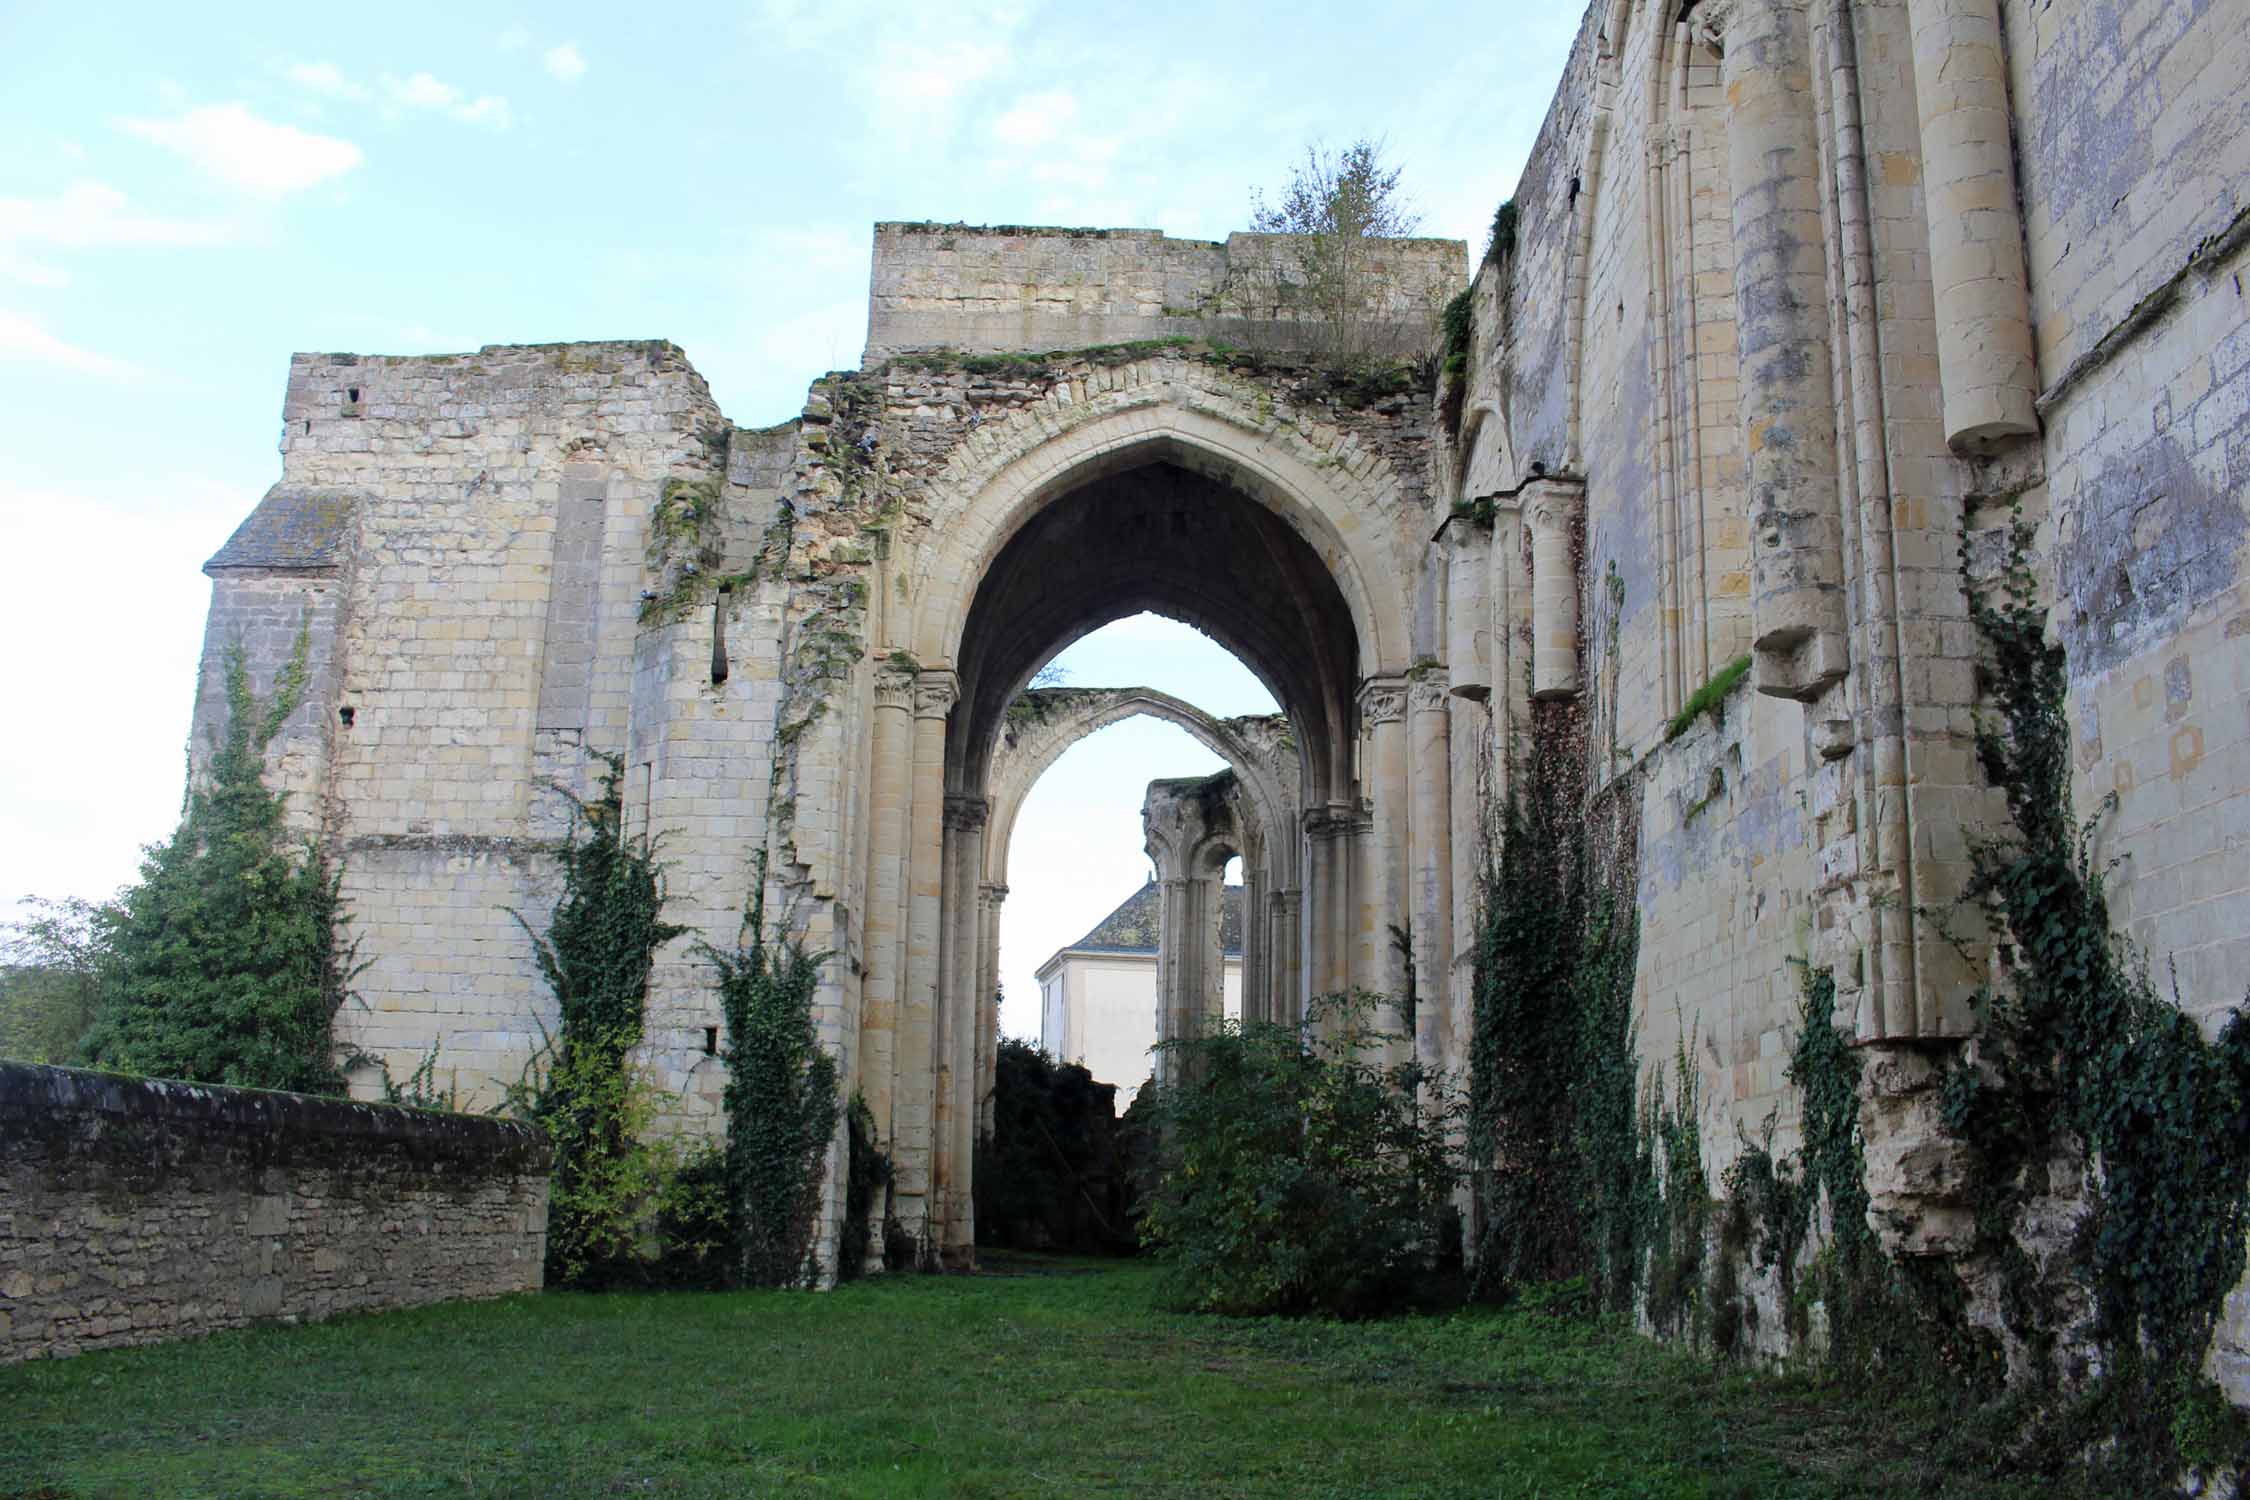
(1336,207)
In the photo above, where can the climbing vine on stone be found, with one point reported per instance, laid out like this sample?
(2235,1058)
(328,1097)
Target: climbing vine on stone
(2083,1068)
(1568,1181)
(781,1100)
(597,1107)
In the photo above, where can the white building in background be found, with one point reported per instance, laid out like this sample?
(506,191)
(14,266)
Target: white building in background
(1098,996)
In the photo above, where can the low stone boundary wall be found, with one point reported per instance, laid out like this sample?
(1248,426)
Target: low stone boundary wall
(137,1210)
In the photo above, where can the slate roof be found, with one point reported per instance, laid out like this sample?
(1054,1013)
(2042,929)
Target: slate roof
(291,528)
(1132,927)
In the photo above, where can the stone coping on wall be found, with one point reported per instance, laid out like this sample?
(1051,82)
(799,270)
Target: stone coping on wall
(50,1104)
(134,1210)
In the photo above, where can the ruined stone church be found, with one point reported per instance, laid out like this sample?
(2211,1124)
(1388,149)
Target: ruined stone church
(1797,301)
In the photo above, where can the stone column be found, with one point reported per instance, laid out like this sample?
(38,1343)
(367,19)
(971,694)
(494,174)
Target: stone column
(1288,996)
(915,1099)
(1781,310)
(1429,731)
(988,991)
(1179,951)
(1987,370)
(892,792)
(1384,899)
(1254,957)
(1325,920)
(954,1035)
(1550,509)
(1468,615)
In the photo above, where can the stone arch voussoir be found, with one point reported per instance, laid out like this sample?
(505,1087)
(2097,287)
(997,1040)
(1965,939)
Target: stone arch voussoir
(1340,495)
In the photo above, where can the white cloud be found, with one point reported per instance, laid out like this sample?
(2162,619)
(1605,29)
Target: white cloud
(24,341)
(918,73)
(324,78)
(565,62)
(1037,119)
(88,214)
(31,272)
(256,155)
(425,92)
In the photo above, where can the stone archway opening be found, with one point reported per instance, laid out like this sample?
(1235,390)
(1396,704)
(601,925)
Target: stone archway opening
(1262,577)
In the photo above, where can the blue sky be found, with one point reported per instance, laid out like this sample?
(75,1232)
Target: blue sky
(189,194)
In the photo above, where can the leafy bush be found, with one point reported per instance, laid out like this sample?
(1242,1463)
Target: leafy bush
(225,965)
(1296,1171)
(1049,1177)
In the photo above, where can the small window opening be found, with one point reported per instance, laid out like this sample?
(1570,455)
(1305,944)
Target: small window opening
(346,714)
(352,395)
(710,1041)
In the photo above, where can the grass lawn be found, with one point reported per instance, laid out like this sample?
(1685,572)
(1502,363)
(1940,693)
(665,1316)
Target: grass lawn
(1060,1379)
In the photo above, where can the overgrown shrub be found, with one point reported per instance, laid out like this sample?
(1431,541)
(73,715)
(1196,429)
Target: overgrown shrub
(781,1102)
(226,963)
(1297,1172)
(1049,1176)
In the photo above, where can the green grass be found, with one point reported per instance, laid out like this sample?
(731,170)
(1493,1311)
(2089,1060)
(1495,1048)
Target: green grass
(1065,1382)
(1708,699)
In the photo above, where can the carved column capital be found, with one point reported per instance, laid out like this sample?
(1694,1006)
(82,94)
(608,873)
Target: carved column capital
(1552,501)
(1709,25)
(1428,692)
(1324,824)
(894,688)
(1382,700)
(964,813)
(935,692)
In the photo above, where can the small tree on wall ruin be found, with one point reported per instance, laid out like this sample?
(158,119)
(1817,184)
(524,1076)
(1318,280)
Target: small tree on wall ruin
(1326,279)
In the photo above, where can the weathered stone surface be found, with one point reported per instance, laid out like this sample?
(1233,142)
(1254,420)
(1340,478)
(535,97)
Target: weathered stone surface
(141,1210)
(1750,368)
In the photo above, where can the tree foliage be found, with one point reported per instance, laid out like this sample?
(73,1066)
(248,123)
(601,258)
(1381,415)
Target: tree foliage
(1328,276)
(226,963)
(1297,1171)
(49,990)
(1050,1175)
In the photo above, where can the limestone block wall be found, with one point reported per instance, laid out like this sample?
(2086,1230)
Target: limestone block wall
(985,289)
(134,1211)
(1774,312)
(2135,152)
(483,643)
(264,612)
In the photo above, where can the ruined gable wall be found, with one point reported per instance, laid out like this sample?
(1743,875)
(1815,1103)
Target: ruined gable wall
(488,642)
